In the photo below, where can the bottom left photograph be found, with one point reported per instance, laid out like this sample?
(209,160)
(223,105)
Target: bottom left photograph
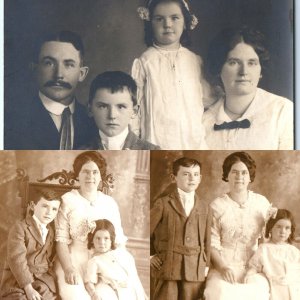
(74,225)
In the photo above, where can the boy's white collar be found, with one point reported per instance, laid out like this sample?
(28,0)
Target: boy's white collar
(115,142)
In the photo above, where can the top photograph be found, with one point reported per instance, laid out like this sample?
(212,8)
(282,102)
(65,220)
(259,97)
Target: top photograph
(149,75)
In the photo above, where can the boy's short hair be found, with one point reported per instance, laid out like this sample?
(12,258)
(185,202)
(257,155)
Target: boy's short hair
(184,162)
(115,81)
(47,193)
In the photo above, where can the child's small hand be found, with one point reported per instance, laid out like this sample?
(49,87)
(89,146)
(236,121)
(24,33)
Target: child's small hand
(31,293)
(155,262)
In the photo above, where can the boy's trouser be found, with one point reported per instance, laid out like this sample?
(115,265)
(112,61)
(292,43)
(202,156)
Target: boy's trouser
(181,290)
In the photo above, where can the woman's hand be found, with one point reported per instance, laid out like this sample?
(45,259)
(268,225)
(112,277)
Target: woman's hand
(155,262)
(31,293)
(228,275)
(72,276)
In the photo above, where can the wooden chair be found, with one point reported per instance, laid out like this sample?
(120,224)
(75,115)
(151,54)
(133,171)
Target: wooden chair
(62,182)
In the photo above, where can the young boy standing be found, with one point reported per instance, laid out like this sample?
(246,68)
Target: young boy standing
(27,272)
(180,232)
(113,103)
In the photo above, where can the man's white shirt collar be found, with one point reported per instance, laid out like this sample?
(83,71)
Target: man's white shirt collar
(55,107)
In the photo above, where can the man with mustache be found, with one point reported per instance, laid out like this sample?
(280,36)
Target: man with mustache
(54,119)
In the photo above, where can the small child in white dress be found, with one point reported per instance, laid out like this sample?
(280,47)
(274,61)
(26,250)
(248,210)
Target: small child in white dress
(111,274)
(171,89)
(278,259)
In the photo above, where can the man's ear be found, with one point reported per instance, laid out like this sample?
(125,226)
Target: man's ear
(83,73)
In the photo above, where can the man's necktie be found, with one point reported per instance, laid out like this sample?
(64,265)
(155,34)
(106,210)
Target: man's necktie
(65,130)
(232,125)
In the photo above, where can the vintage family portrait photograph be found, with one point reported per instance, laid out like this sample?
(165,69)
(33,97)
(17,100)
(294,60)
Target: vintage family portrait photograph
(141,156)
(122,74)
(74,224)
(225,225)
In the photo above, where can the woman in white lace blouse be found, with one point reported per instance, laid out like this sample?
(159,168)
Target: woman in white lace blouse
(238,220)
(78,212)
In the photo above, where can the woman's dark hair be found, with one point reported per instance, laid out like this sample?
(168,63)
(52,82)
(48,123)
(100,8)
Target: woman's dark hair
(103,224)
(224,42)
(149,36)
(86,157)
(184,162)
(238,157)
(281,214)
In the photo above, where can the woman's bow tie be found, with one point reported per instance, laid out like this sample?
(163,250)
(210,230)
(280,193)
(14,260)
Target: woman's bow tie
(233,124)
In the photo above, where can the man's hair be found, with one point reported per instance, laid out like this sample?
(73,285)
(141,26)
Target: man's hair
(184,162)
(64,36)
(115,81)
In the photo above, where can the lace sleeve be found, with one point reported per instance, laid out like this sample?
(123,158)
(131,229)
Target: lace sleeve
(62,225)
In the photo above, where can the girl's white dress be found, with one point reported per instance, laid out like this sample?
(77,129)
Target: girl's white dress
(235,232)
(74,221)
(115,276)
(281,265)
(171,89)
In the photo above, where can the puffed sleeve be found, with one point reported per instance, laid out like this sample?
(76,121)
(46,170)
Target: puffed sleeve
(17,255)
(216,211)
(139,75)
(91,274)
(286,123)
(62,224)
(120,236)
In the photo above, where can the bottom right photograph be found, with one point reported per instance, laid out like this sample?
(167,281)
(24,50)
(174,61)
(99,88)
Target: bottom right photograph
(225,225)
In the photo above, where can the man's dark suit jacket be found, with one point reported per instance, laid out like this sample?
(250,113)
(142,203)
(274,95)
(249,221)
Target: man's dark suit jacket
(31,127)
(132,142)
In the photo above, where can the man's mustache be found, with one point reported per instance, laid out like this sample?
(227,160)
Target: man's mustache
(58,83)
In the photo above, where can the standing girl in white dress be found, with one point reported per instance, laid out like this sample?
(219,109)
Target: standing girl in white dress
(171,88)
(278,259)
(79,210)
(109,275)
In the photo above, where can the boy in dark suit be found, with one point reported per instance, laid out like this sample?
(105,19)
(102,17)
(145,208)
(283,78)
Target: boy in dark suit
(180,232)
(28,270)
(113,103)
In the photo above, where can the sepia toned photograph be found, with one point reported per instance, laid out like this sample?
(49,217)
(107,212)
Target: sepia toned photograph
(215,75)
(74,224)
(225,225)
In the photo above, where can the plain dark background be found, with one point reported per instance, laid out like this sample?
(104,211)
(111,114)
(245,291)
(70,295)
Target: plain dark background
(113,36)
